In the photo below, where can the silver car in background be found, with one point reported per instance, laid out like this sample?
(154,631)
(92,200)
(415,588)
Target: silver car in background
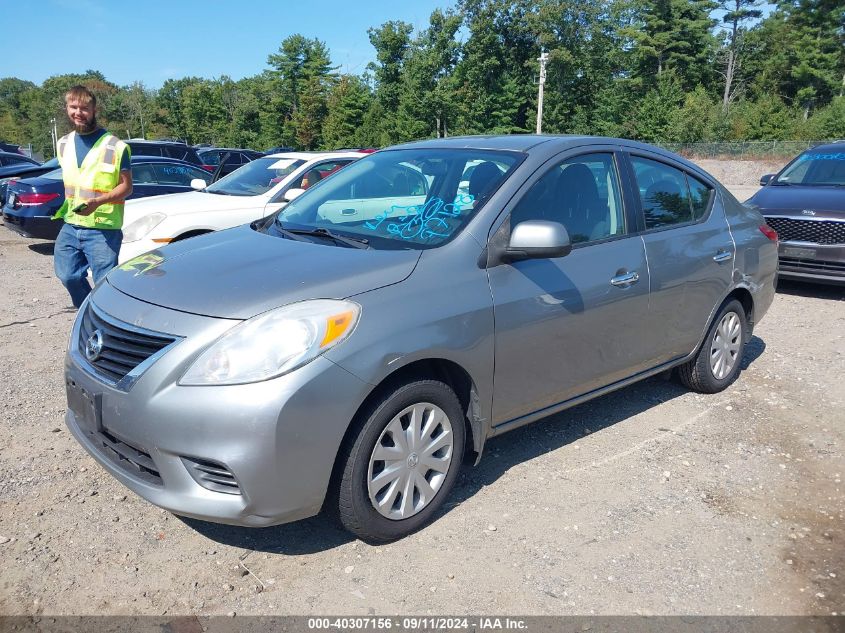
(353,350)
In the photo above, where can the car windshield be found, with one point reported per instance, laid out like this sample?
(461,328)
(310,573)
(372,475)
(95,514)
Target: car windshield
(400,199)
(56,174)
(256,177)
(815,169)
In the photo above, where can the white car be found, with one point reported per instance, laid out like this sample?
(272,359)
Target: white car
(249,193)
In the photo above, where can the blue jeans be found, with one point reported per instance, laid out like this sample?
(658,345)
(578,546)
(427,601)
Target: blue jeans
(78,249)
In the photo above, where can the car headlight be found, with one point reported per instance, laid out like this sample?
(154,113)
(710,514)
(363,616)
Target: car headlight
(274,343)
(140,227)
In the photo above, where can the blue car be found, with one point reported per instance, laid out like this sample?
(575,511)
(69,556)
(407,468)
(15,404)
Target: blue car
(31,202)
(805,204)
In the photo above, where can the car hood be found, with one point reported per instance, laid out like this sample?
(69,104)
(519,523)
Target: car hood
(238,273)
(779,199)
(189,202)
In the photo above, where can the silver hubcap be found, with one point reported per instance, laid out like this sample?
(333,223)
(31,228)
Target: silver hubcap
(410,461)
(726,345)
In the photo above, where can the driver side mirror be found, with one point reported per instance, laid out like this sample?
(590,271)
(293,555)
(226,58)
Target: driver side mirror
(198,183)
(293,194)
(532,239)
(765,180)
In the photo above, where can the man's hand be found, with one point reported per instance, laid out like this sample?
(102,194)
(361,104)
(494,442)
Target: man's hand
(89,208)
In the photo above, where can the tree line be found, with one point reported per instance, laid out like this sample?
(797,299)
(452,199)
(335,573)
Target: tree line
(656,70)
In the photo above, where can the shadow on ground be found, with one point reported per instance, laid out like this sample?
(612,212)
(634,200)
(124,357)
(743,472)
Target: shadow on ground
(812,290)
(501,454)
(42,248)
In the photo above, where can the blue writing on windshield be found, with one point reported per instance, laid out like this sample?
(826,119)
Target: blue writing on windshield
(827,156)
(422,221)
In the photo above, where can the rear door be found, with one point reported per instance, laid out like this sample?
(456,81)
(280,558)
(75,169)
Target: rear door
(689,248)
(569,325)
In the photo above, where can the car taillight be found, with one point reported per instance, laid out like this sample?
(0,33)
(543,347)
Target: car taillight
(210,168)
(769,232)
(31,199)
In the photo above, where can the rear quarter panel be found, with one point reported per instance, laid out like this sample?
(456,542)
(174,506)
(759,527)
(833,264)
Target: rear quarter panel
(756,262)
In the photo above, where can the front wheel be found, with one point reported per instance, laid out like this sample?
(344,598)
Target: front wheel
(717,363)
(403,462)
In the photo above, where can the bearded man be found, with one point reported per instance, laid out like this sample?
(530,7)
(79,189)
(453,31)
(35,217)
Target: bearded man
(95,169)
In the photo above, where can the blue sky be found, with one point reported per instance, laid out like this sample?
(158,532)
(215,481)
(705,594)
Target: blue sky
(180,38)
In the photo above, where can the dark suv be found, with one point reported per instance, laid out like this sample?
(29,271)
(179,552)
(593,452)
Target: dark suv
(168,149)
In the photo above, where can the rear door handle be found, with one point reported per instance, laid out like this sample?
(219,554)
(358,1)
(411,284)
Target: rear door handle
(722,256)
(625,280)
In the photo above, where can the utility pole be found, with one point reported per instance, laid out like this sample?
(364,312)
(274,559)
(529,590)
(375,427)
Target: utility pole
(544,57)
(54,135)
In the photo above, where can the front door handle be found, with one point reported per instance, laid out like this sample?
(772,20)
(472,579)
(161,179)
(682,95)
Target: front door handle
(722,256)
(626,279)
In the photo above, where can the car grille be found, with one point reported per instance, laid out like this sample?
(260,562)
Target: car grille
(815,231)
(212,476)
(124,347)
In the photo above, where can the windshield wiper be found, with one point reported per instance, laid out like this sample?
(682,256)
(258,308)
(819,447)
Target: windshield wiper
(321,232)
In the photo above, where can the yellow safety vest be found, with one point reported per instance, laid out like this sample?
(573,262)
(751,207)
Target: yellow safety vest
(99,173)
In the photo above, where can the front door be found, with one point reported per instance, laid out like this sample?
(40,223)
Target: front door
(570,325)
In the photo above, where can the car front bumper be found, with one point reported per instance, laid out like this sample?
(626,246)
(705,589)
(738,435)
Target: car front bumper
(806,261)
(273,444)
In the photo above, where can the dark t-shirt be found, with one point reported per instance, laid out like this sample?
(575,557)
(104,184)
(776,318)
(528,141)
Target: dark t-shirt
(84,142)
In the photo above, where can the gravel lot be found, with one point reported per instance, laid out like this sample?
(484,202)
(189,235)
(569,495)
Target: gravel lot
(652,500)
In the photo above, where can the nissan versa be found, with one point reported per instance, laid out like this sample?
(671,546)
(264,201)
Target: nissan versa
(354,349)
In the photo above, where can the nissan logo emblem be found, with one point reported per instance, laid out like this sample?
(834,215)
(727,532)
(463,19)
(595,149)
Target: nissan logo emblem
(94,345)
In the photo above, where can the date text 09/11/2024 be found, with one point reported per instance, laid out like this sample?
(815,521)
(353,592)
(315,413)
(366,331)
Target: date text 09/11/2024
(407,623)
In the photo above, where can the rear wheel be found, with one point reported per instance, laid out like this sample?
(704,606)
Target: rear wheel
(718,361)
(403,462)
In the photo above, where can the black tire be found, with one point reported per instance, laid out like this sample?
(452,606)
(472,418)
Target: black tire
(356,510)
(699,374)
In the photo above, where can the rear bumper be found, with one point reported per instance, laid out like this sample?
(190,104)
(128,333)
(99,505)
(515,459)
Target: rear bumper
(39,226)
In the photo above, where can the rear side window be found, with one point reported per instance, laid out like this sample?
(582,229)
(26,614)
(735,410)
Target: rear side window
(145,150)
(664,193)
(700,195)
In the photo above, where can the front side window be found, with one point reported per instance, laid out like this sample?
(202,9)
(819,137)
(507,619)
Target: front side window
(178,174)
(256,177)
(663,193)
(400,199)
(142,174)
(582,193)
(814,169)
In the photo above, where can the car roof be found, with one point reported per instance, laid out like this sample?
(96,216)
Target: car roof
(313,155)
(550,142)
(161,159)
(15,155)
(139,141)
(836,146)
(201,150)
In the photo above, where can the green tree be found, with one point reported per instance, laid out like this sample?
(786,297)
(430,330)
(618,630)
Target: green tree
(391,41)
(347,106)
(737,14)
(426,102)
(674,35)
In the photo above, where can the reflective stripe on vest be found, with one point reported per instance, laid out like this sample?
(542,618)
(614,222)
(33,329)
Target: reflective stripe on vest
(98,174)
